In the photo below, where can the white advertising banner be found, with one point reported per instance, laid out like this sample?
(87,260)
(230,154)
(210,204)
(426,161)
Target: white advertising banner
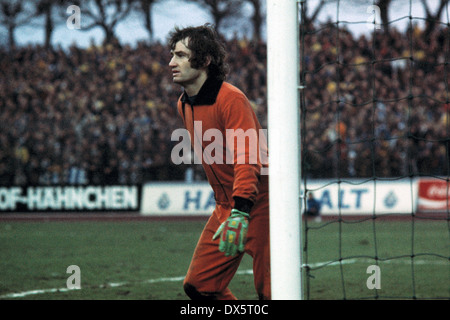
(360,197)
(354,197)
(177,198)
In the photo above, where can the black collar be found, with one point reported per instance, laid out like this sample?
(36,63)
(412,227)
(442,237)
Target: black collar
(207,94)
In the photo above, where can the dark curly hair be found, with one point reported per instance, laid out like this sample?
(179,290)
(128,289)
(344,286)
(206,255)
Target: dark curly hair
(205,43)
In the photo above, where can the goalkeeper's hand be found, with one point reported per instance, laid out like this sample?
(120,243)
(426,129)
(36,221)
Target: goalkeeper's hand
(233,233)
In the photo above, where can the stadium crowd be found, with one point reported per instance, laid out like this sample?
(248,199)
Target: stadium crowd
(105,114)
(377,107)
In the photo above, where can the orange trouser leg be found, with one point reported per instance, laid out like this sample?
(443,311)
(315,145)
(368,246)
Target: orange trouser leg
(258,247)
(211,271)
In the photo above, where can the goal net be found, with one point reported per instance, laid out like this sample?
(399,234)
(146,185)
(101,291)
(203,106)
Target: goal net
(375,154)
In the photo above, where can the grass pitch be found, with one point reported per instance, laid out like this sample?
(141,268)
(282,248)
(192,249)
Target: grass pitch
(147,260)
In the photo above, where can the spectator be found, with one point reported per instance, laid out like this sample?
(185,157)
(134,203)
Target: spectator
(313,207)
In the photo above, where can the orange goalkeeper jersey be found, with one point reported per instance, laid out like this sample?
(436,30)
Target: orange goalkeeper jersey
(228,138)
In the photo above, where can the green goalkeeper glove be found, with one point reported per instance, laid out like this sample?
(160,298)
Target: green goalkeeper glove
(233,233)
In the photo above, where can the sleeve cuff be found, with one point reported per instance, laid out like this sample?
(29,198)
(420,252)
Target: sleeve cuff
(242,204)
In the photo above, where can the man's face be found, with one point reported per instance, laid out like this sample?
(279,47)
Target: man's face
(182,71)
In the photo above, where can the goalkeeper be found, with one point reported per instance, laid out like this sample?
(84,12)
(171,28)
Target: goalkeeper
(240,221)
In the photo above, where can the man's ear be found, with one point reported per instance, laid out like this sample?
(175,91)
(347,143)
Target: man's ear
(208,61)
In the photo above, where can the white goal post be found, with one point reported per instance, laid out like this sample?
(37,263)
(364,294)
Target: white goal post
(284,149)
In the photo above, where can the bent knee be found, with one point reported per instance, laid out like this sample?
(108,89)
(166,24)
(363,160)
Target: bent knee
(193,293)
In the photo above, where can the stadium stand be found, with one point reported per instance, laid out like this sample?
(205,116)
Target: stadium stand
(105,114)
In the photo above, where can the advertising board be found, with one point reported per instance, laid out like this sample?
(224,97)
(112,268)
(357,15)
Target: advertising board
(362,197)
(355,197)
(433,195)
(69,198)
(177,198)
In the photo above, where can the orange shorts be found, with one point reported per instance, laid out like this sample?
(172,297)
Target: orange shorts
(210,271)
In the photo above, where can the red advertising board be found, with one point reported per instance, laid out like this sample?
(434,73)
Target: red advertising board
(433,195)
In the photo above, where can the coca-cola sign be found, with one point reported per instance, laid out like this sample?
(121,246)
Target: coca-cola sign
(434,195)
(438,191)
